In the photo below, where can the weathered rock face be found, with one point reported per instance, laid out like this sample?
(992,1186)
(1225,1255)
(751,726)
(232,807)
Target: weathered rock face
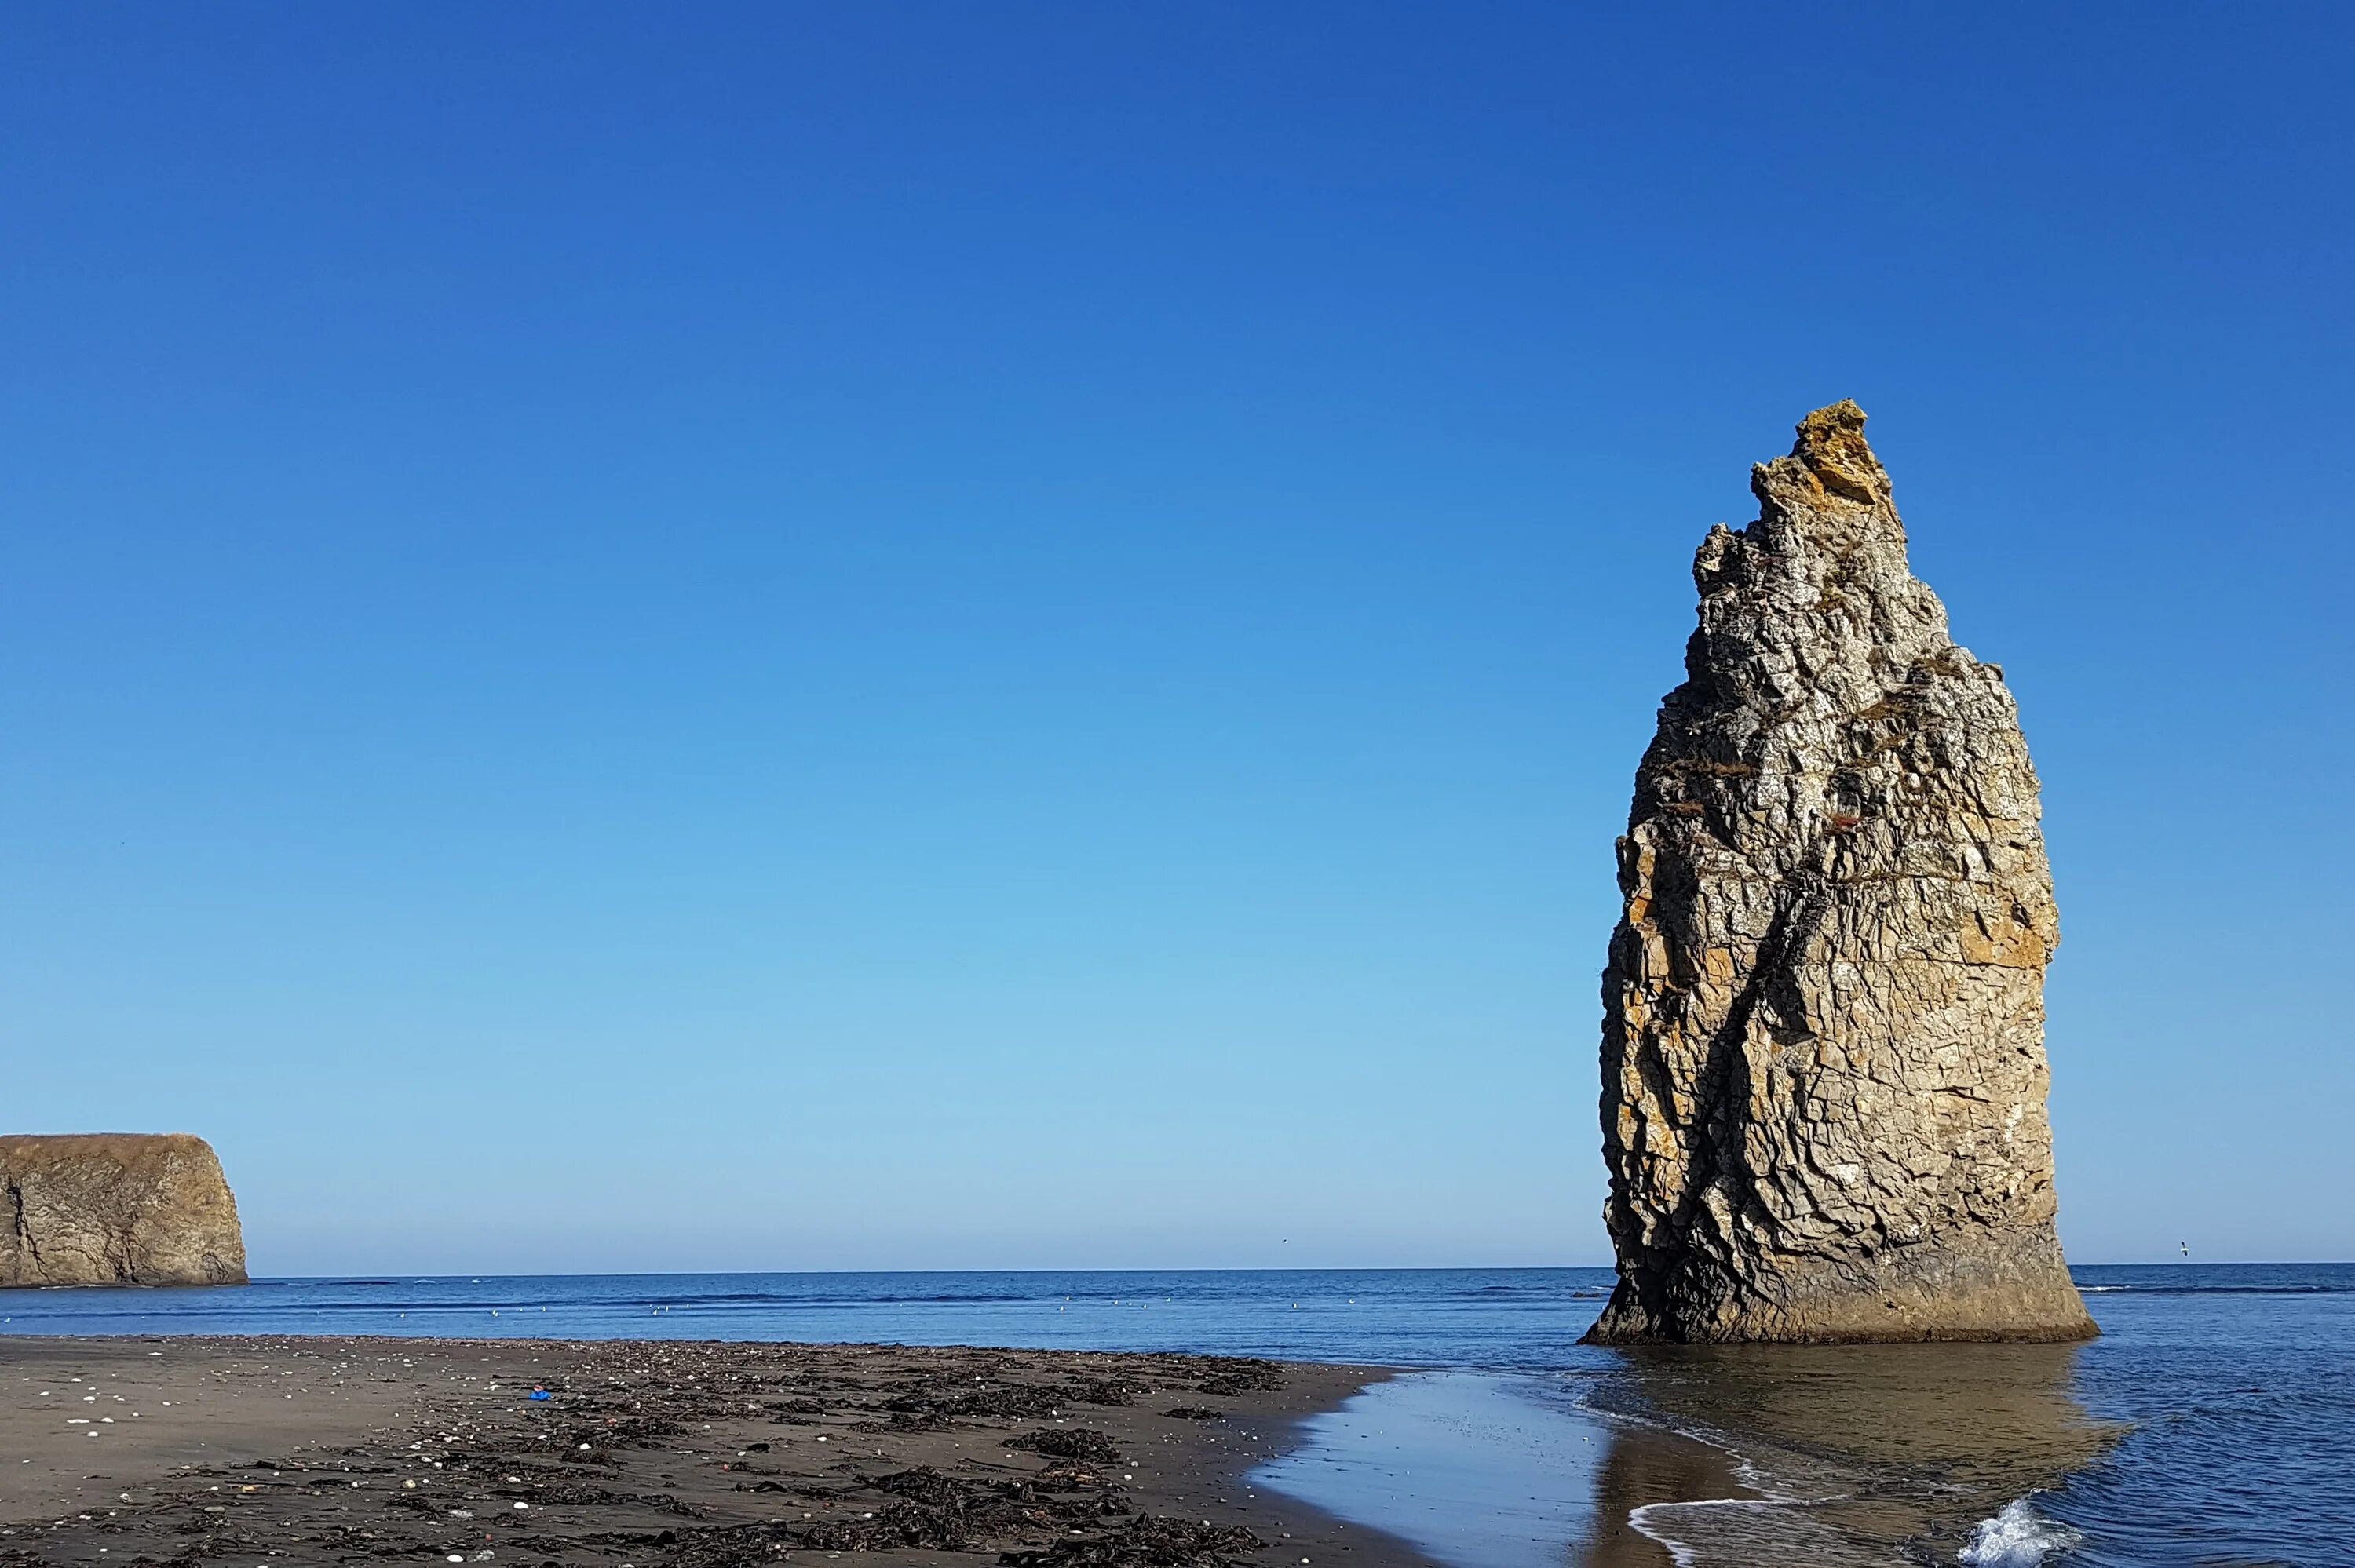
(1823,1049)
(117,1209)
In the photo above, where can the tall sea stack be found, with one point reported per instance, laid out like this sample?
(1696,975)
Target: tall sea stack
(117,1208)
(1823,1042)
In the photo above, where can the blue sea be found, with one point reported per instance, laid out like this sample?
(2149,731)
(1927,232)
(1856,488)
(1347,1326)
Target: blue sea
(2213,1422)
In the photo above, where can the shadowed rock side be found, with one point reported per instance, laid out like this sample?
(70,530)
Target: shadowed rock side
(1823,1054)
(117,1209)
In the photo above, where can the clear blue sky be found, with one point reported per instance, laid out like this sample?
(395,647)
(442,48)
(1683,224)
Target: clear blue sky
(772,636)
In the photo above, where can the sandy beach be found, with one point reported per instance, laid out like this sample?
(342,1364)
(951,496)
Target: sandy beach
(269,1451)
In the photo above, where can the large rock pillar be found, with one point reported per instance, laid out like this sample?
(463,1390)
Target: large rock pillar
(1823,1049)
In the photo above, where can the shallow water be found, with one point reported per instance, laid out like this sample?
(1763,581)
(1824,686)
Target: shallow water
(2213,1422)
(1511,1470)
(1901,1452)
(1470,1467)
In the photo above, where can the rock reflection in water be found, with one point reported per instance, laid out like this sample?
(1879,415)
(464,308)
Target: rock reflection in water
(1643,1471)
(1865,1454)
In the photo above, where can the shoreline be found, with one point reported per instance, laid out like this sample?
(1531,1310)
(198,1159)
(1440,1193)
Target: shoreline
(1509,1470)
(292,1448)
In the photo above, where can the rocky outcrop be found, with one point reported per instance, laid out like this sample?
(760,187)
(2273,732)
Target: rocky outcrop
(1823,1054)
(116,1209)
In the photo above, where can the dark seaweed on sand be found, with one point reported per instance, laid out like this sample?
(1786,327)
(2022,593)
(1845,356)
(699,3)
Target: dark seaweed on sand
(923,1484)
(793,1412)
(992,1506)
(1069,1443)
(1017,1399)
(1149,1541)
(1103,1391)
(928,1510)
(1243,1376)
(1076,1478)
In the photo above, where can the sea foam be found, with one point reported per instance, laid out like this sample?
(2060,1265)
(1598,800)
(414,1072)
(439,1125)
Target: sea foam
(2019,1537)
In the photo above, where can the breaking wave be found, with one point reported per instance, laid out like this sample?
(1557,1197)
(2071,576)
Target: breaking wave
(2018,1537)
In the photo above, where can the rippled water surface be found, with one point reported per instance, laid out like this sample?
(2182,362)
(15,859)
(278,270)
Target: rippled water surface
(2213,1423)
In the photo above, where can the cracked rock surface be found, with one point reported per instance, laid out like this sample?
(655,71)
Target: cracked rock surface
(1823,1051)
(116,1209)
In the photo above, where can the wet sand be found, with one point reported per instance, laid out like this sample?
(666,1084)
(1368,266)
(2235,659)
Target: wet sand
(201,1451)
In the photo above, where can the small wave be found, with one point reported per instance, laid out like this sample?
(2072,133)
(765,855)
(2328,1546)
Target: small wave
(2214,1289)
(1647,1523)
(2019,1537)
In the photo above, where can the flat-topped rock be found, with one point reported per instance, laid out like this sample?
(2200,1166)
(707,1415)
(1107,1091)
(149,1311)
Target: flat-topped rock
(116,1208)
(1823,1058)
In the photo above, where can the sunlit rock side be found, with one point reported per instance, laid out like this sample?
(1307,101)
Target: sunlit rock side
(1823,1058)
(116,1209)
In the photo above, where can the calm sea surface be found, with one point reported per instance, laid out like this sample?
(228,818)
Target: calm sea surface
(2213,1423)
